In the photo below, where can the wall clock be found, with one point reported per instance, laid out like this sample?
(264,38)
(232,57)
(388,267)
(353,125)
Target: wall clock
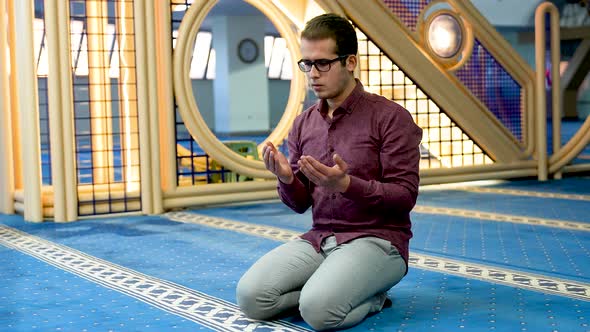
(248,50)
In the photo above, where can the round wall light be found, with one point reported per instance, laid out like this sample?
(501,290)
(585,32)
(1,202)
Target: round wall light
(445,35)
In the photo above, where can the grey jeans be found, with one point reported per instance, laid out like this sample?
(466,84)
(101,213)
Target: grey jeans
(335,288)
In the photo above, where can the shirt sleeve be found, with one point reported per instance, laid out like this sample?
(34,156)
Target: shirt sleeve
(397,189)
(296,195)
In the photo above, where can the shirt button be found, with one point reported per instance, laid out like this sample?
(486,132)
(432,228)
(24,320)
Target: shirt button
(331,149)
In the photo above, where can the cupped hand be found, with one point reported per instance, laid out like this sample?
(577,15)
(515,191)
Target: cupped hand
(276,162)
(334,178)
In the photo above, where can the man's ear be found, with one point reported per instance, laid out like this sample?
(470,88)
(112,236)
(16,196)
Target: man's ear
(351,62)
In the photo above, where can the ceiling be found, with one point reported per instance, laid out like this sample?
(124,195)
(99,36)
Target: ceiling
(222,7)
(235,8)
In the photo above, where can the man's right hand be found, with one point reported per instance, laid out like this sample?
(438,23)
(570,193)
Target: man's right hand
(276,162)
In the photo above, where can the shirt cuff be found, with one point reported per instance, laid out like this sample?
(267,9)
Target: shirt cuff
(356,188)
(295,186)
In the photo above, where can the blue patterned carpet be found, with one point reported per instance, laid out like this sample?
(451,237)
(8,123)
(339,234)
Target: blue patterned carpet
(512,256)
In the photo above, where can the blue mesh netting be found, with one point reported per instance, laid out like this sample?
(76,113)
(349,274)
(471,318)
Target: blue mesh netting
(407,10)
(494,87)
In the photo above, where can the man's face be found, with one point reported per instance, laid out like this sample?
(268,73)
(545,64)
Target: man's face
(325,84)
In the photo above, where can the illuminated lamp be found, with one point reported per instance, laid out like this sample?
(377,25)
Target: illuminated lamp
(445,36)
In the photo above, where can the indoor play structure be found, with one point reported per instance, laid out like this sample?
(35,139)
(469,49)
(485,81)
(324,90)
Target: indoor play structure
(99,115)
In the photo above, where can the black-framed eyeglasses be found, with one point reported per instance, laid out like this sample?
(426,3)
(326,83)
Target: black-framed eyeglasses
(322,65)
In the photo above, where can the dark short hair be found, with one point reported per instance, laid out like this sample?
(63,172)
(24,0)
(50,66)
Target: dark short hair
(332,26)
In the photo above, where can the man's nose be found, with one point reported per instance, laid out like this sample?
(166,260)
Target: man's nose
(314,72)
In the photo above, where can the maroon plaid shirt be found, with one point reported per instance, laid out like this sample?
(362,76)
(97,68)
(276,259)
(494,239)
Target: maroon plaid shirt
(379,141)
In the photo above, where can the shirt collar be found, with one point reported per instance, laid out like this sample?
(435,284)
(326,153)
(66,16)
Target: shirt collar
(348,103)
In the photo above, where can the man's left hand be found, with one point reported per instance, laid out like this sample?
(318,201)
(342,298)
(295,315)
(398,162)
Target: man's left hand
(334,178)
